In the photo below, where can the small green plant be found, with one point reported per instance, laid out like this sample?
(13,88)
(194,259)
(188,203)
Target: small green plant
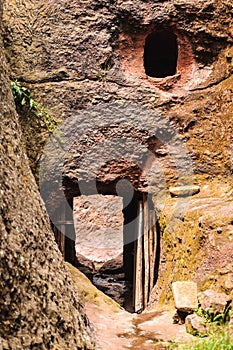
(24,102)
(215,318)
(216,341)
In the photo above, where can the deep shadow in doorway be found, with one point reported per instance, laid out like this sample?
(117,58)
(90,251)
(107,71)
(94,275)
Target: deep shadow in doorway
(66,244)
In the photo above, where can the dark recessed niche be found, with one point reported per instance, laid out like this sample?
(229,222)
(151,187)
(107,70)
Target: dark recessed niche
(161,54)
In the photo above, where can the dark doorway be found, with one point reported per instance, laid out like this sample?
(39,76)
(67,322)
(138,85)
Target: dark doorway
(161,54)
(130,212)
(63,228)
(127,277)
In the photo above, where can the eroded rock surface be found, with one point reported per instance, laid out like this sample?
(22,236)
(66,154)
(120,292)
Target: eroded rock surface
(75,56)
(39,305)
(98,222)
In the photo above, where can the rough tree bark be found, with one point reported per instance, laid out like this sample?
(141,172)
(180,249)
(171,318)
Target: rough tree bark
(39,308)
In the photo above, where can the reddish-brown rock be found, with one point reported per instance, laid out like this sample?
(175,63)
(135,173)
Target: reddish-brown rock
(86,59)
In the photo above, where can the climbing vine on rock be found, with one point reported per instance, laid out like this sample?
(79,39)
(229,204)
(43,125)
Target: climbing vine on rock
(36,124)
(25,103)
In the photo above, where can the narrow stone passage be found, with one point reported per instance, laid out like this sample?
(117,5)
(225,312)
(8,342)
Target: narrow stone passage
(121,330)
(117,329)
(115,242)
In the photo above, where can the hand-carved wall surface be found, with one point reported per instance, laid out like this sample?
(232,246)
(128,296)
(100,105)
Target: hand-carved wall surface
(39,306)
(75,56)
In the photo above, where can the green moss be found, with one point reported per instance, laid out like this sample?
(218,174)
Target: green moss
(186,245)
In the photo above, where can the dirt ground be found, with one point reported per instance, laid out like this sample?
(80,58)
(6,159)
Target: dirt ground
(118,329)
(122,330)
